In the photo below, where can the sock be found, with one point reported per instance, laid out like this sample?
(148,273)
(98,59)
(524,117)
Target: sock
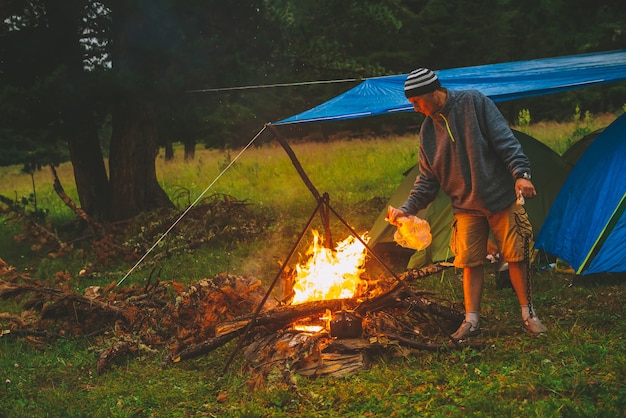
(473,318)
(525,312)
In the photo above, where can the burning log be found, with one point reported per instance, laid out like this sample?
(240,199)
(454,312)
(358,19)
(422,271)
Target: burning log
(283,316)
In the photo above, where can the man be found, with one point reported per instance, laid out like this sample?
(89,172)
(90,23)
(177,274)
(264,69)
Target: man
(468,150)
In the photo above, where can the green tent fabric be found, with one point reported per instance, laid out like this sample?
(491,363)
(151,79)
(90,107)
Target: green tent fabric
(577,149)
(549,173)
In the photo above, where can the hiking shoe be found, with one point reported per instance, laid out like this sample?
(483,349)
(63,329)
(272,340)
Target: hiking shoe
(534,325)
(465,331)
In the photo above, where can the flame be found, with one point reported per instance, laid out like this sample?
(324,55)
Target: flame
(330,274)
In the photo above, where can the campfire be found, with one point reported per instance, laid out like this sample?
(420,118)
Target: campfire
(334,313)
(336,316)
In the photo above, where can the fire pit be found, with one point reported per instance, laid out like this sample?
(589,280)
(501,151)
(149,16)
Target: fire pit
(340,337)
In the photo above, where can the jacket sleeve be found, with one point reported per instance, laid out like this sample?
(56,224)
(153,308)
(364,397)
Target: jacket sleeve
(424,189)
(502,138)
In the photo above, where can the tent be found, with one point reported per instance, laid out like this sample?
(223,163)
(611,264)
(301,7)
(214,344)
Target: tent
(577,149)
(501,82)
(586,225)
(549,173)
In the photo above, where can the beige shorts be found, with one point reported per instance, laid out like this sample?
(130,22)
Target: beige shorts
(470,233)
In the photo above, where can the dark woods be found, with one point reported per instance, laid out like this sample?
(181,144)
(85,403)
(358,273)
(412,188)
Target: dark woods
(90,80)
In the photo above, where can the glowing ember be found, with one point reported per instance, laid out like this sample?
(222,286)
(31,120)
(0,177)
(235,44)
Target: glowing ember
(312,329)
(330,274)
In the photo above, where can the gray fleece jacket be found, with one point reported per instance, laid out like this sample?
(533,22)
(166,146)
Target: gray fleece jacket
(469,151)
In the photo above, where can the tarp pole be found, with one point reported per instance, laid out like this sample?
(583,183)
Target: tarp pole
(316,194)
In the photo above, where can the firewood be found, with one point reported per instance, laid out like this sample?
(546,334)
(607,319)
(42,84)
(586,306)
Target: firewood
(276,319)
(280,317)
(202,348)
(346,345)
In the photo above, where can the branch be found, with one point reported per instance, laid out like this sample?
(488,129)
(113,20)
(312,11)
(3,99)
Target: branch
(58,188)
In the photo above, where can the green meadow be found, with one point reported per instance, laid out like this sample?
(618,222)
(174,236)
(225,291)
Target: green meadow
(577,370)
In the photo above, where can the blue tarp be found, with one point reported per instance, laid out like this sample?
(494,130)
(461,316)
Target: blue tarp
(501,82)
(586,225)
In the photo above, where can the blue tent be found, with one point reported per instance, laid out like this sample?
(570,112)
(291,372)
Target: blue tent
(501,82)
(586,225)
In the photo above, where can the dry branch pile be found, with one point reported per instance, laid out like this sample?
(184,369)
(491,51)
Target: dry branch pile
(194,320)
(216,218)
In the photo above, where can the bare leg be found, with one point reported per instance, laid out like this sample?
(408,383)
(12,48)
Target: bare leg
(517,271)
(473,279)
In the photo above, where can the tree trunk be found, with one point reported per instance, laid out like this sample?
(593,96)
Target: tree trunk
(132,171)
(75,107)
(190,150)
(169,151)
(134,185)
(90,174)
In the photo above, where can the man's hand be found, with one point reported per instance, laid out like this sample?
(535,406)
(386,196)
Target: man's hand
(393,215)
(526,188)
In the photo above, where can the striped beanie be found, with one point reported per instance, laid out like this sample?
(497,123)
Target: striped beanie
(420,81)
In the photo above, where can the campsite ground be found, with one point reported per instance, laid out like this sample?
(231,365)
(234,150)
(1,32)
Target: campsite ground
(577,369)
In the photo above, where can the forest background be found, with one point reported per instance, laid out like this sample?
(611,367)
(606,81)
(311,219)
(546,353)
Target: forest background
(104,84)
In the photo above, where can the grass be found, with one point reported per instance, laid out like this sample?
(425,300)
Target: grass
(577,370)
(561,136)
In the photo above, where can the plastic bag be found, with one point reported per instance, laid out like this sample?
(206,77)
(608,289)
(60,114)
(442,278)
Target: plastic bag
(413,232)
